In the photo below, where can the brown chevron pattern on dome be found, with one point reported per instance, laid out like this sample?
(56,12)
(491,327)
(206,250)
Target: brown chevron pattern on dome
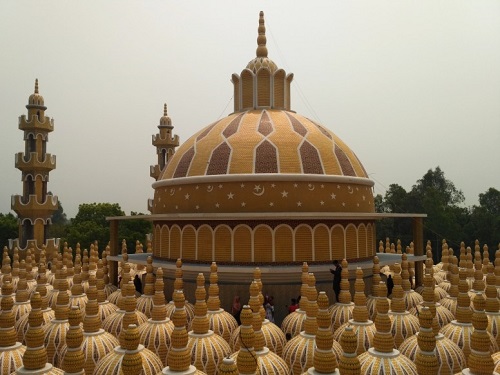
(266,160)
(232,128)
(311,162)
(345,164)
(297,126)
(204,133)
(265,127)
(263,141)
(184,163)
(220,160)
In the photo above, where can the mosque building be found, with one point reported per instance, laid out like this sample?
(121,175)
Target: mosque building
(264,186)
(226,210)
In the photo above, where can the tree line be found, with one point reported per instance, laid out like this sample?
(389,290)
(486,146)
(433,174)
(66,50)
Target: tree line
(447,218)
(87,226)
(433,194)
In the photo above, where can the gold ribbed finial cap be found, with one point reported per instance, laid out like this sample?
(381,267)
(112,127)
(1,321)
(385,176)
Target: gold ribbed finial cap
(349,362)
(200,322)
(261,39)
(228,367)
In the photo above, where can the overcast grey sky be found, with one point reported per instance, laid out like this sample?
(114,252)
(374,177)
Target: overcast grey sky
(408,85)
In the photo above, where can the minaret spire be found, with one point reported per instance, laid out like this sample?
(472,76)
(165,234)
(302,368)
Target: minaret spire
(261,39)
(36,86)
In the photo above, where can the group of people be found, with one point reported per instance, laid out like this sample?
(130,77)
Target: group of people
(268,306)
(337,278)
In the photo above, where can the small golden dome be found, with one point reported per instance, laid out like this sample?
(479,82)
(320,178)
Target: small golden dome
(383,358)
(145,301)
(293,323)
(460,330)
(299,351)
(156,332)
(126,314)
(106,308)
(35,356)
(179,285)
(11,351)
(220,321)
(364,329)
(207,349)
(403,324)
(165,119)
(55,331)
(274,338)
(36,100)
(108,287)
(228,367)
(261,61)
(73,357)
(123,358)
(349,362)
(341,311)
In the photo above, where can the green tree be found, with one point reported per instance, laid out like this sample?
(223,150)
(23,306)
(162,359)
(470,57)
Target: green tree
(133,230)
(90,224)
(8,228)
(438,197)
(395,201)
(485,220)
(59,226)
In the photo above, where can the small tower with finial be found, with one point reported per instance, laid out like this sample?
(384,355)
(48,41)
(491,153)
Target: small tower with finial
(261,84)
(36,205)
(165,143)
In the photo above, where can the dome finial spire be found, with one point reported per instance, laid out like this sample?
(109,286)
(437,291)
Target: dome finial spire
(165,109)
(261,39)
(36,86)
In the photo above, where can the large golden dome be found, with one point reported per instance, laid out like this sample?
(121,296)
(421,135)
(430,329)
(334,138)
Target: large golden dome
(261,178)
(263,157)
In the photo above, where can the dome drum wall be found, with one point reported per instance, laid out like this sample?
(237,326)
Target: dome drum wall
(264,242)
(264,193)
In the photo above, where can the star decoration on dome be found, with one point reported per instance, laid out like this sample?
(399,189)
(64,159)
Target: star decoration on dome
(230,195)
(284,194)
(322,186)
(273,185)
(187,196)
(197,207)
(243,204)
(322,203)
(217,205)
(197,187)
(338,186)
(295,185)
(271,204)
(343,204)
(299,204)
(242,185)
(220,186)
(333,196)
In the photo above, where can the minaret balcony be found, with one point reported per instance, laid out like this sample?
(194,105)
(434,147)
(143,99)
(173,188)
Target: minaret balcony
(25,124)
(159,141)
(32,208)
(31,162)
(150,205)
(154,171)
